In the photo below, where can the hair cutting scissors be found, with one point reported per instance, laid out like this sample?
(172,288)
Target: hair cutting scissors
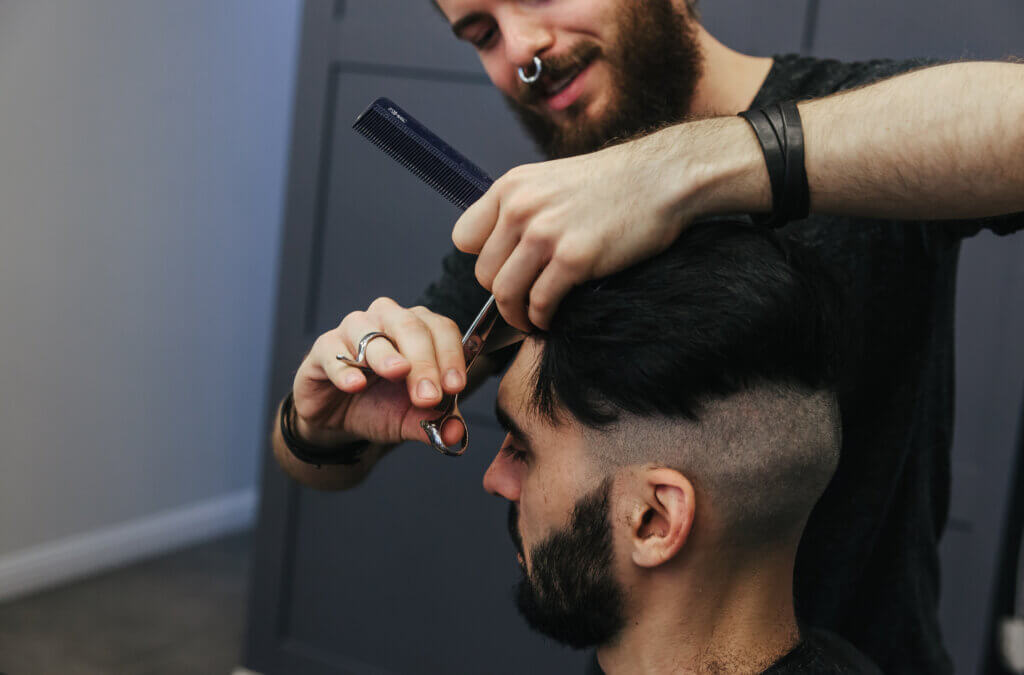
(487,334)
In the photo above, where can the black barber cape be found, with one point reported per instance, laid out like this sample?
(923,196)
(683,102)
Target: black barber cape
(868,565)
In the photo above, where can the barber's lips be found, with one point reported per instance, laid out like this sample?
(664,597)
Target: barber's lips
(519,557)
(562,93)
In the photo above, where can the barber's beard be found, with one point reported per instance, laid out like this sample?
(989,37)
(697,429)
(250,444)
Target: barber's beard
(655,66)
(571,594)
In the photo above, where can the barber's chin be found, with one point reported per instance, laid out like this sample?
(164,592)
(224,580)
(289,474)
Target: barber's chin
(585,116)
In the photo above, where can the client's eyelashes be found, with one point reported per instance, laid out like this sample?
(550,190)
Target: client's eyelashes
(514,453)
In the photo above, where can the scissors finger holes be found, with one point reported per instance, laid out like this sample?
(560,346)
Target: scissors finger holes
(435,432)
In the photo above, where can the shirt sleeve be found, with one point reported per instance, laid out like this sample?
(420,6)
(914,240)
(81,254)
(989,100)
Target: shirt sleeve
(1001,225)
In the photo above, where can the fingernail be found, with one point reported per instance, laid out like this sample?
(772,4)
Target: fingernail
(452,378)
(426,389)
(351,379)
(393,362)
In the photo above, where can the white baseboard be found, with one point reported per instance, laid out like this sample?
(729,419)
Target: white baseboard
(84,554)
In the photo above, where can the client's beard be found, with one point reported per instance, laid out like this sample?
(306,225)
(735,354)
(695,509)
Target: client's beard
(571,594)
(655,65)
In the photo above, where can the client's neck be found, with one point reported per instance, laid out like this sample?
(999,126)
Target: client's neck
(715,613)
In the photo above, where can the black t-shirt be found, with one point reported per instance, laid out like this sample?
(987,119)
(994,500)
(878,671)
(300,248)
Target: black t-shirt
(868,565)
(819,652)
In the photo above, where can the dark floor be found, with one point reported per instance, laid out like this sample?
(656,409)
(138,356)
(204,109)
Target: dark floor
(176,615)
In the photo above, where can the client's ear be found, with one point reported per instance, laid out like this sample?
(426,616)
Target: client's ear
(662,516)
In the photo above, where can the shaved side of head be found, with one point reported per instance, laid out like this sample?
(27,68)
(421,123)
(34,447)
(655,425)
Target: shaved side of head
(759,459)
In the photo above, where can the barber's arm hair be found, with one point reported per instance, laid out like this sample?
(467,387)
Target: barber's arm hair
(942,142)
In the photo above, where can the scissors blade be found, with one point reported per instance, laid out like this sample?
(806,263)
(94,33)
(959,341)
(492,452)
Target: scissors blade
(483,322)
(502,335)
(488,333)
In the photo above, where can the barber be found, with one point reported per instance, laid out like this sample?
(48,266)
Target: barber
(900,161)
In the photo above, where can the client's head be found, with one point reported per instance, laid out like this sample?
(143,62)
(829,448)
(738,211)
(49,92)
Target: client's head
(675,426)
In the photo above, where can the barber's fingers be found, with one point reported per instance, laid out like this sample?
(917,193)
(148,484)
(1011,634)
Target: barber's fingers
(447,337)
(568,267)
(423,348)
(320,366)
(474,227)
(452,431)
(381,356)
(513,282)
(504,237)
(415,341)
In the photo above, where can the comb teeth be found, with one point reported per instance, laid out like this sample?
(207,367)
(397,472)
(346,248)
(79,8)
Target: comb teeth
(417,149)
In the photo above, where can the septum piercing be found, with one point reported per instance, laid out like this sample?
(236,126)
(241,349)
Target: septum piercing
(537,67)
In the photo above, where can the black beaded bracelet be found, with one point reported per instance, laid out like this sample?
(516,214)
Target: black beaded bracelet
(350,453)
(781,135)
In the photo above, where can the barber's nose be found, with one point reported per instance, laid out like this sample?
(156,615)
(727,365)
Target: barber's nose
(525,39)
(501,478)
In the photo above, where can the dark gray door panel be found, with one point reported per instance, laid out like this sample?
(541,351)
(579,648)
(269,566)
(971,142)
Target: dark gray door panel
(398,33)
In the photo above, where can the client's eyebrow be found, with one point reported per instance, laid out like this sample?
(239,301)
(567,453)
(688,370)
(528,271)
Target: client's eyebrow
(511,427)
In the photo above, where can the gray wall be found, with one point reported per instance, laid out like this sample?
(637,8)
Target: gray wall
(142,160)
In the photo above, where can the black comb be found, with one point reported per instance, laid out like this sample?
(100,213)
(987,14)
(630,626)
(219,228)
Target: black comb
(416,148)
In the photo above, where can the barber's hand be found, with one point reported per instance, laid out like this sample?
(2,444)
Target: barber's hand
(337,403)
(543,228)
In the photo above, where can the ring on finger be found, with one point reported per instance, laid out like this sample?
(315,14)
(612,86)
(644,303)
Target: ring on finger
(360,360)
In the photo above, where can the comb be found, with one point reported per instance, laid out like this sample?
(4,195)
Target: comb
(419,150)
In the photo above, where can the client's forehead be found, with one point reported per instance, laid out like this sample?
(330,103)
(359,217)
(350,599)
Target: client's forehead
(562,464)
(515,389)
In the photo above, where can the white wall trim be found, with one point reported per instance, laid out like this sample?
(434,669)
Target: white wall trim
(83,554)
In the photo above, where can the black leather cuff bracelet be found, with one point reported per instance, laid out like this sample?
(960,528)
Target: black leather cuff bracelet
(781,135)
(350,453)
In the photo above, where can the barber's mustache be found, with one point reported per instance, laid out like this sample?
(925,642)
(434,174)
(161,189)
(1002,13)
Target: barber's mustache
(556,68)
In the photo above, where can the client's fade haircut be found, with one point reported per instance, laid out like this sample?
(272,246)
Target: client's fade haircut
(718,357)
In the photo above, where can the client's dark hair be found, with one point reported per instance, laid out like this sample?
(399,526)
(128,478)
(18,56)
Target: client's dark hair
(726,307)
(719,358)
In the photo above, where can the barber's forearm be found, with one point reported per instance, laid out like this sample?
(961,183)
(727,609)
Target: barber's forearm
(942,142)
(707,167)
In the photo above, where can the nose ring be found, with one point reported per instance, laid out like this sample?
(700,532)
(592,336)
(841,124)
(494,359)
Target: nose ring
(537,67)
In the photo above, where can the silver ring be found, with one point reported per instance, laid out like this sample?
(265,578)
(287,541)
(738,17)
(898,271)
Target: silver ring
(537,67)
(360,360)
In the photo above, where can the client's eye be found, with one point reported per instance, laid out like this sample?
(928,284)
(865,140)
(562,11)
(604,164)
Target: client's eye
(514,453)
